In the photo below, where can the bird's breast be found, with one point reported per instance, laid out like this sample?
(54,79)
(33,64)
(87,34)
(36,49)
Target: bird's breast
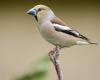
(48,32)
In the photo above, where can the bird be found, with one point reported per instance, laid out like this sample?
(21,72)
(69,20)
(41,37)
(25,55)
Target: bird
(56,31)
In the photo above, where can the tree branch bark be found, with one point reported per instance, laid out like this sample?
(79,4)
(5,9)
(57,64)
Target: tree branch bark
(54,57)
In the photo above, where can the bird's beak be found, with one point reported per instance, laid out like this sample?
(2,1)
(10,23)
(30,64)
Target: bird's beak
(32,12)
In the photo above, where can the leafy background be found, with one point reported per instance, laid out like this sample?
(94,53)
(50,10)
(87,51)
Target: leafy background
(40,71)
(21,45)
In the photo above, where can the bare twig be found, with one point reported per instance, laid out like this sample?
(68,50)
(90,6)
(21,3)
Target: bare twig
(54,55)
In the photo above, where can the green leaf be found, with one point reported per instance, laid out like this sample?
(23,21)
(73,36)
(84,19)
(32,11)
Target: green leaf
(40,72)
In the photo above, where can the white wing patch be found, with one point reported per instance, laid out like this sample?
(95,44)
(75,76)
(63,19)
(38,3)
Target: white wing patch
(75,32)
(69,31)
(66,28)
(62,27)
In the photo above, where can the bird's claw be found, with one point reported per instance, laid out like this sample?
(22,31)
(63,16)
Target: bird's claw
(54,54)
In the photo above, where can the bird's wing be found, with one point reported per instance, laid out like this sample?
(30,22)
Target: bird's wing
(60,26)
(56,20)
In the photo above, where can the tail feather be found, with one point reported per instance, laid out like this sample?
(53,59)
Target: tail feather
(87,43)
(94,43)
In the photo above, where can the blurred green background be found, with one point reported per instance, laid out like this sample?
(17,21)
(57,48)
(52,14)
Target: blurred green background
(21,44)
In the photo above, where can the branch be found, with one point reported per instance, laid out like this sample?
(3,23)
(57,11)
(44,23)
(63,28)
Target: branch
(54,57)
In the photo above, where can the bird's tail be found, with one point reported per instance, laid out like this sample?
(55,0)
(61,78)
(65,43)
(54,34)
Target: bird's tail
(87,43)
(94,43)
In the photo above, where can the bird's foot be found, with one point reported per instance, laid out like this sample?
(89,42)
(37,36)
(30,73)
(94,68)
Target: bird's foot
(54,54)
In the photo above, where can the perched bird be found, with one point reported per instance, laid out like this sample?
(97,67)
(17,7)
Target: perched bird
(54,30)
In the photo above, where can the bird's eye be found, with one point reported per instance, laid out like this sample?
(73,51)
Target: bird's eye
(40,9)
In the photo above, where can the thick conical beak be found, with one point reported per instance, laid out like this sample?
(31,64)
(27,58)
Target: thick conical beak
(32,12)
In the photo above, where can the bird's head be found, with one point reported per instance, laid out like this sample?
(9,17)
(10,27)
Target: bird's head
(41,12)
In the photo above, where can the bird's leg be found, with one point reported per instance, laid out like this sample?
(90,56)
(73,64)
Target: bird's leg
(54,55)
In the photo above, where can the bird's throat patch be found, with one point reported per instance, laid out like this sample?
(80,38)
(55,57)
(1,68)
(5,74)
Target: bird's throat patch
(36,18)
